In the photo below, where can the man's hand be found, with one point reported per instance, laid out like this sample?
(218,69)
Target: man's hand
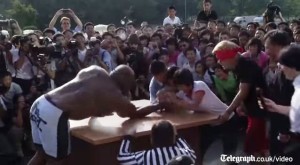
(59,13)
(270,105)
(284,138)
(225,116)
(72,13)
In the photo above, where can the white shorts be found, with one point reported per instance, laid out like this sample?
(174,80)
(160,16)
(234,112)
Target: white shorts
(50,128)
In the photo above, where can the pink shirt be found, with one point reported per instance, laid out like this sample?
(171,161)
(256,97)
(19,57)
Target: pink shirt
(173,57)
(261,60)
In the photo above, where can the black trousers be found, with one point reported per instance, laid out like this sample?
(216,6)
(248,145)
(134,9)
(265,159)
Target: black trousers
(278,124)
(293,150)
(25,84)
(227,132)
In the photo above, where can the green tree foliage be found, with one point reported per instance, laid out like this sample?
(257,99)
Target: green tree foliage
(153,11)
(24,13)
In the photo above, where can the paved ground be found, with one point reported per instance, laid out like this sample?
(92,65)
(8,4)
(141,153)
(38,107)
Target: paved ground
(212,157)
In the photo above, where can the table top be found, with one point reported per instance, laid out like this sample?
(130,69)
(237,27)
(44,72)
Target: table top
(102,130)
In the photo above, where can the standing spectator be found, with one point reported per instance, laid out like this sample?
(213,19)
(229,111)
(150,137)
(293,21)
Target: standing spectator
(244,37)
(234,30)
(260,34)
(228,55)
(226,84)
(183,45)
(89,30)
(65,22)
(23,64)
(172,19)
(68,35)
(173,53)
(221,26)
(289,61)
(111,28)
(165,147)
(224,36)
(255,52)
(48,33)
(130,28)
(212,26)
(13,89)
(280,90)
(251,28)
(158,70)
(190,54)
(207,13)
(270,26)
(147,30)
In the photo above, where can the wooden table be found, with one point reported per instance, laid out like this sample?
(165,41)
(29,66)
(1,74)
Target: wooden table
(97,140)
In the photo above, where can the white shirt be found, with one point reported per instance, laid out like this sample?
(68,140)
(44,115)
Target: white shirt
(210,102)
(81,54)
(25,72)
(168,20)
(295,107)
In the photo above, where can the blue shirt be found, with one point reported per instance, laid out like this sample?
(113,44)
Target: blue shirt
(154,87)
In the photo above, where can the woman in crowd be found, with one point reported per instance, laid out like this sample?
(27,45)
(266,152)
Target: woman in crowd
(255,52)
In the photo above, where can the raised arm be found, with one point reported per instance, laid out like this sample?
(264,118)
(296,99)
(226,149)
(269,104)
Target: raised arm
(76,19)
(54,19)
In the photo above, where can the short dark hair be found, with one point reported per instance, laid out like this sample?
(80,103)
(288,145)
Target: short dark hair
(296,21)
(156,35)
(88,24)
(190,48)
(23,40)
(16,39)
(48,30)
(157,67)
(201,62)
(219,66)
(4,74)
(171,41)
(271,25)
(184,40)
(57,35)
(290,57)
(64,32)
(261,29)
(257,42)
(163,134)
(244,33)
(235,26)
(283,23)
(171,8)
(107,34)
(278,37)
(144,37)
(171,71)
(183,77)
(78,34)
(221,22)
(251,23)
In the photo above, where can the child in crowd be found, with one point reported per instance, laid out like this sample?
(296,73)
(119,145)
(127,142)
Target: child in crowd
(190,54)
(225,83)
(255,52)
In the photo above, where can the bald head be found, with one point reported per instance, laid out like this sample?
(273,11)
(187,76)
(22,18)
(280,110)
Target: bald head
(123,76)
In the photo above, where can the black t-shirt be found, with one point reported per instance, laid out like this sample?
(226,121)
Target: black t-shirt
(247,71)
(202,16)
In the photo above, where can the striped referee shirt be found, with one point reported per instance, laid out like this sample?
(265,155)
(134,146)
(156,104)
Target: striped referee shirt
(155,156)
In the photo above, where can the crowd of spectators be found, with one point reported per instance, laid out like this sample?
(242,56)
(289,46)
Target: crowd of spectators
(42,61)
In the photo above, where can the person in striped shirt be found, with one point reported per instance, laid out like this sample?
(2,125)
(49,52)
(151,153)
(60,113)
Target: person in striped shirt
(165,144)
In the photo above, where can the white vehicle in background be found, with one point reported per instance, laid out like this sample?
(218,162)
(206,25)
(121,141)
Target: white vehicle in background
(101,28)
(243,20)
